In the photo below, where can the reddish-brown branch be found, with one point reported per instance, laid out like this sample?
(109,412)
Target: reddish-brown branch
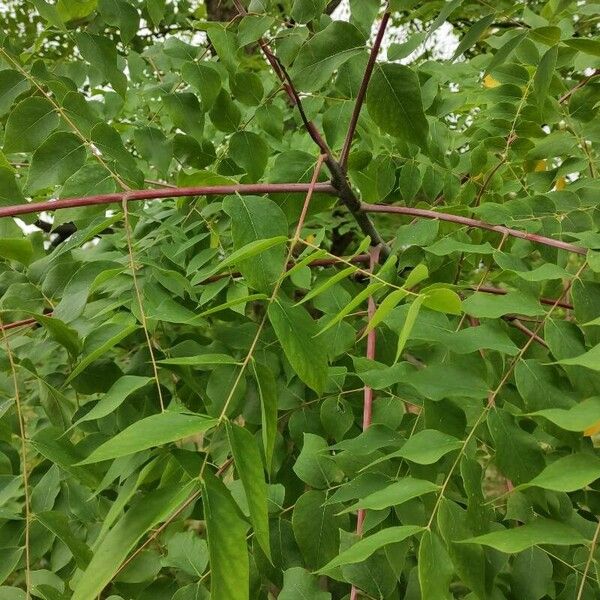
(338,177)
(501,292)
(524,329)
(362,91)
(368,391)
(162,193)
(431,214)
(583,82)
(16,324)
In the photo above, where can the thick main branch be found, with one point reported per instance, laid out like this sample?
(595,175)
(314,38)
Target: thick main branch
(162,193)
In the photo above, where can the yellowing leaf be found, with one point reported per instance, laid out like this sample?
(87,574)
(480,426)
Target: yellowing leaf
(593,430)
(540,165)
(490,82)
(561,184)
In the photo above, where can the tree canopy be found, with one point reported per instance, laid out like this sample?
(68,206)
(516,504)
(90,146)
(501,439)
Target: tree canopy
(299,299)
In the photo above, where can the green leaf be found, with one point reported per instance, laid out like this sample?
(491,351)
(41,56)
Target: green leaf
(255,218)
(248,464)
(58,524)
(144,514)
(240,257)
(152,144)
(249,151)
(252,27)
(226,542)
(10,192)
(315,466)
(324,53)
(156,10)
(188,552)
(66,336)
(435,567)
(585,45)
(99,342)
(370,544)
(116,395)
(361,297)
(425,447)
(539,532)
(149,432)
(204,79)
(411,317)
(488,306)
(443,300)
(304,11)
(544,73)
(568,474)
(394,494)
(394,103)
(12,85)
(54,161)
(589,360)
(29,124)
(200,360)
(299,583)
(266,386)
(101,52)
(577,418)
(385,307)
(328,283)
(472,36)
(316,528)
(19,249)
(295,331)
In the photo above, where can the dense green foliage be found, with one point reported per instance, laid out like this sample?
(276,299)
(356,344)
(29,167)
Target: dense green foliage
(203,399)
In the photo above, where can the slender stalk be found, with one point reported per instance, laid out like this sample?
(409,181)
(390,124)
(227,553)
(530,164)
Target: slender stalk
(362,91)
(431,214)
(589,560)
(167,192)
(22,433)
(491,402)
(276,287)
(367,393)
(140,303)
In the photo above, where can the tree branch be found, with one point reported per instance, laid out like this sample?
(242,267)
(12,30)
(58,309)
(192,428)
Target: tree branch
(431,214)
(162,193)
(362,92)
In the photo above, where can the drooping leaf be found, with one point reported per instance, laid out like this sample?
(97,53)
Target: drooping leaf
(370,544)
(226,542)
(121,539)
(295,331)
(567,474)
(539,532)
(250,469)
(155,430)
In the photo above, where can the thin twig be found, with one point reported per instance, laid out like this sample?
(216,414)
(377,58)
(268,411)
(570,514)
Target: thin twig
(588,563)
(524,329)
(22,434)
(140,303)
(362,91)
(583,82)
(367,393)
